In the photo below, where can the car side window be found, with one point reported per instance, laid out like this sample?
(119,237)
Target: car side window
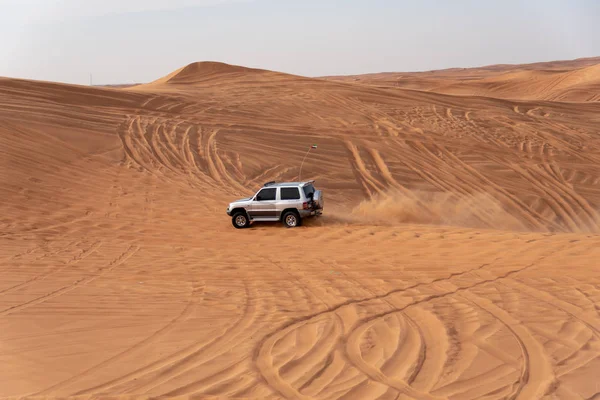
(290,194)
(266,194)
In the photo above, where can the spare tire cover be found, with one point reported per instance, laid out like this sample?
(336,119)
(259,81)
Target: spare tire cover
(318,199)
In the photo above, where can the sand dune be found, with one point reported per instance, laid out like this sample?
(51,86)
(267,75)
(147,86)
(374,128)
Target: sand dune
(214,73)
(571,81)
(202,71)
(457,257)
(575,85)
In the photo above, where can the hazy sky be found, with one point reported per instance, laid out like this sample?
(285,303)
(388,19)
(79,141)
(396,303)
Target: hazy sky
(123,41)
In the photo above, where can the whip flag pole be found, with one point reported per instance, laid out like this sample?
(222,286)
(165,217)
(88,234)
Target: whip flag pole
(314,146)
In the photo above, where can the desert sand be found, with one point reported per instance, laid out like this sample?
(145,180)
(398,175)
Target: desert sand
(573,80)
(458,256)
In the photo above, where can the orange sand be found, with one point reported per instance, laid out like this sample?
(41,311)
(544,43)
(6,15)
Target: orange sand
(458,257)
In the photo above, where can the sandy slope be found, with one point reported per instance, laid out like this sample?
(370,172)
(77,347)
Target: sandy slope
(458,257)
(573,80)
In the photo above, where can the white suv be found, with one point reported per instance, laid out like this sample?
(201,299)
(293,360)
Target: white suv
(288,202)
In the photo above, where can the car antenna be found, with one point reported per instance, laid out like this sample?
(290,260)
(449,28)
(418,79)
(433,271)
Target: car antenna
(314,146)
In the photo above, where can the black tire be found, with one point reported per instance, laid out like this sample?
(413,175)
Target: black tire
(240,220)
(291,219)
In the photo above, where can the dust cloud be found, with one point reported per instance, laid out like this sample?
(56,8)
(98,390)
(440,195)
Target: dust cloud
(479,210)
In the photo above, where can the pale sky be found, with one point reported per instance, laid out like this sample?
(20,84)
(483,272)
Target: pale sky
(125,41)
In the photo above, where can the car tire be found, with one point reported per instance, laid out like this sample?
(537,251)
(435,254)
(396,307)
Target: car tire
(240,220)
(291,219)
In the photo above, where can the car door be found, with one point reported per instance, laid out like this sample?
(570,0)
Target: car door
(264,204)
(289,198)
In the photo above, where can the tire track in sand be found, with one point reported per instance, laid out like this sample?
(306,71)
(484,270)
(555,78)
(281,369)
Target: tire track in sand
(167,368)
(530,384)
(591,322)
(182,316)
(42,276)
(80,282)
(370,184)
(475,341)
(263,358)
(405,386)
(216,166)
(532,351)
(272,376)
(537,374)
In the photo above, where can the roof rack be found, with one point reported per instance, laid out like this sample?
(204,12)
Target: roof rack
(269,183)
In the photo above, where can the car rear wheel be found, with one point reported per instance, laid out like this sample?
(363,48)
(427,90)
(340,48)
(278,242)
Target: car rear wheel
(291,219)
(240,220)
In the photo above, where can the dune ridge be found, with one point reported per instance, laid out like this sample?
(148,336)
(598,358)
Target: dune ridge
(456,259)
(572,81)
(198,73)
(204,70)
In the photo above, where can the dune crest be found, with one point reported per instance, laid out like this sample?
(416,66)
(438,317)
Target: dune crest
(203,70)
(574,80)
(209,71)
(535,85)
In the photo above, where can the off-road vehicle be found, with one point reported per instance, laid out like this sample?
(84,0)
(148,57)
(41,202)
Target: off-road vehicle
(288,202)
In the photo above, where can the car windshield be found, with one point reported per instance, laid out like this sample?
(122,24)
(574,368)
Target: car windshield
(309,190)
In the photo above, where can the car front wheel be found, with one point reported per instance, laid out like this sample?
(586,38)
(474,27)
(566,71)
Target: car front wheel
(240,220)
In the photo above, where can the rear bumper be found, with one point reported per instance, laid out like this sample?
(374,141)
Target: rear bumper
(310,213)
(228,212)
